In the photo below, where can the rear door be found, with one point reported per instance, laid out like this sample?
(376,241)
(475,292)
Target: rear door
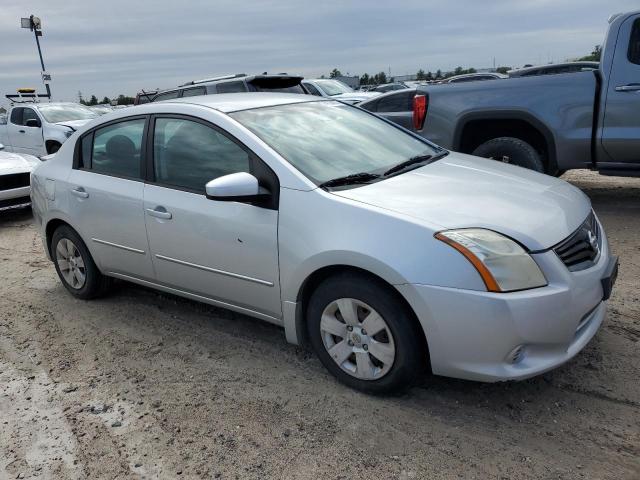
(105,197)
(23,138)
(621,122)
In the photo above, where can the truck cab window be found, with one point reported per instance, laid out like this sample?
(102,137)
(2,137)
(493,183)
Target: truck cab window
(633,54)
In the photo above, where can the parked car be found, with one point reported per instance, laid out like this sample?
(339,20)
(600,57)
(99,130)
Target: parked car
(552,69)
(549,123)
(40,128)
(474,77)
(329,88)
(144,97)
(388,87)
(234,84)
(384,251)
(15,170)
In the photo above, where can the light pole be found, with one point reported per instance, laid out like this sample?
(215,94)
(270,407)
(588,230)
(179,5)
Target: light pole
(35,25)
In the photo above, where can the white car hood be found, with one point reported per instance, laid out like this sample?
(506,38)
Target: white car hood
(17,163)
(75,124)
(461,191)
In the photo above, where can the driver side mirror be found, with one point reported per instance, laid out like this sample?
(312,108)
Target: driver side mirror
(1,146)
(32,122)
(236,187)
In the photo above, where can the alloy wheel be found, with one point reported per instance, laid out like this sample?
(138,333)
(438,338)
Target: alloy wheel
(70,263)
(357,338)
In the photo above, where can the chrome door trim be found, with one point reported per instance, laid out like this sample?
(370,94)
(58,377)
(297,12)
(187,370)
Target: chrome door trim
(116,245)
(215,270)
(199,298)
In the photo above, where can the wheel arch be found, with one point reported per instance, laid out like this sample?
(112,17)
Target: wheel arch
(315,278)
(477,127)
(52,224)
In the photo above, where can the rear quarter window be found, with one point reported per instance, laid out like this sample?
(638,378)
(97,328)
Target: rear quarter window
(231,87)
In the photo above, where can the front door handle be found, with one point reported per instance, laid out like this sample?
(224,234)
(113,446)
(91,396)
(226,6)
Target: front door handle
(159,212)
(22,131)
(632,87)
(80,192)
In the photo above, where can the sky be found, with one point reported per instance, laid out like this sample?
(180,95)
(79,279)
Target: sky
(111,47)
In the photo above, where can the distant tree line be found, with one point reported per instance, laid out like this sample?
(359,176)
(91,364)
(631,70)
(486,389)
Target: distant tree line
(381,77)
(93,100)
(594,56)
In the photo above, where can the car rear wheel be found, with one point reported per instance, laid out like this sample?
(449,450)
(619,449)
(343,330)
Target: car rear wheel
(75,266)
(364,335)
(511,150)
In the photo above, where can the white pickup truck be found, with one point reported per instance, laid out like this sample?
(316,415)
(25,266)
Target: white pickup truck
(41,128)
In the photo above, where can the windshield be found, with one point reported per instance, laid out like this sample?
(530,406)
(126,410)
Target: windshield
(65,113)
(327,140)
(333,87)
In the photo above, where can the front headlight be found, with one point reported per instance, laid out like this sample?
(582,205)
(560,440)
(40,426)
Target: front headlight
(502,263)
(68,133)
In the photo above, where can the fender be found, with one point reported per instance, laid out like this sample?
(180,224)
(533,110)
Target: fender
(507,114)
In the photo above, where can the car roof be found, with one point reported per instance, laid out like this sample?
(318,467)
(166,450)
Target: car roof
(233,102)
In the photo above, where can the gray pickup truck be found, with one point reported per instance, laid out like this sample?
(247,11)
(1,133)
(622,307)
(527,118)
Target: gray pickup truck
(549,123)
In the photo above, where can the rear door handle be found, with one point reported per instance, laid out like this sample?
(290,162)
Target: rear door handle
(632,87)
(80,192)
(159,212)
(22,131)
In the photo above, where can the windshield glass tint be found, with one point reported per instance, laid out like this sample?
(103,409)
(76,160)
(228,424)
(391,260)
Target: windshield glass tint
(333,87)
(327,140)
(65,113)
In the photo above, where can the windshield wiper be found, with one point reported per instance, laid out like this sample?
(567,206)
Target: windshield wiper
(413,161)
(362,177)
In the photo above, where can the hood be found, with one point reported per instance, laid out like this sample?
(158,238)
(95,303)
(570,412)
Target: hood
(74,124)
(461,191)
(17,163)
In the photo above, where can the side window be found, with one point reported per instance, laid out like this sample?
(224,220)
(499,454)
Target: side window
(399,102)
(16,116)
(29,114)
(167,96)
(633,54)
(312,90)
(188,154)
(116,149)
(231,87)
(192,92)
(371,106)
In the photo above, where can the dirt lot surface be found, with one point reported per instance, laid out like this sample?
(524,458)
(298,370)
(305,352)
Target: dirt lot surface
(146,385)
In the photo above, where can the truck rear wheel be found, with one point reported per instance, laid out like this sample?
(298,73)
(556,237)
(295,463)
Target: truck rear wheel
(511,150)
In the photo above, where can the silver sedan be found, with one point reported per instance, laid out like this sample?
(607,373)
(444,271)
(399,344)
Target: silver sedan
(387,254)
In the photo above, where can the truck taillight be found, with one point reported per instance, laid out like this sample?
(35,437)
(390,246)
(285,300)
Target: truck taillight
(419,111)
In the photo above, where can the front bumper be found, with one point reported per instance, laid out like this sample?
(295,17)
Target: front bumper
(15,198)
(472,333)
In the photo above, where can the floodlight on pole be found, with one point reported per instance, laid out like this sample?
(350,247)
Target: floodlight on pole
(34,24)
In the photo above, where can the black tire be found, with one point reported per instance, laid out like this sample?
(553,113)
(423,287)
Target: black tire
(411,354)
(511,150)
(95,284)
(53,147)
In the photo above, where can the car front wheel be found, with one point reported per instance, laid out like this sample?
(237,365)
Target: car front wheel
(75,266)
(364,335)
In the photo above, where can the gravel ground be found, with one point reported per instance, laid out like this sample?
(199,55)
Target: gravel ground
(146,385)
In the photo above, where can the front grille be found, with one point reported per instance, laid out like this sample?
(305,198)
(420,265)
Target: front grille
(14,180)
(581,249)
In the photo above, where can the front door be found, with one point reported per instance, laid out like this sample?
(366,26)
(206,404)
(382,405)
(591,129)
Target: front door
(105,191)
(621,123)
(223,251)
(23,138)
